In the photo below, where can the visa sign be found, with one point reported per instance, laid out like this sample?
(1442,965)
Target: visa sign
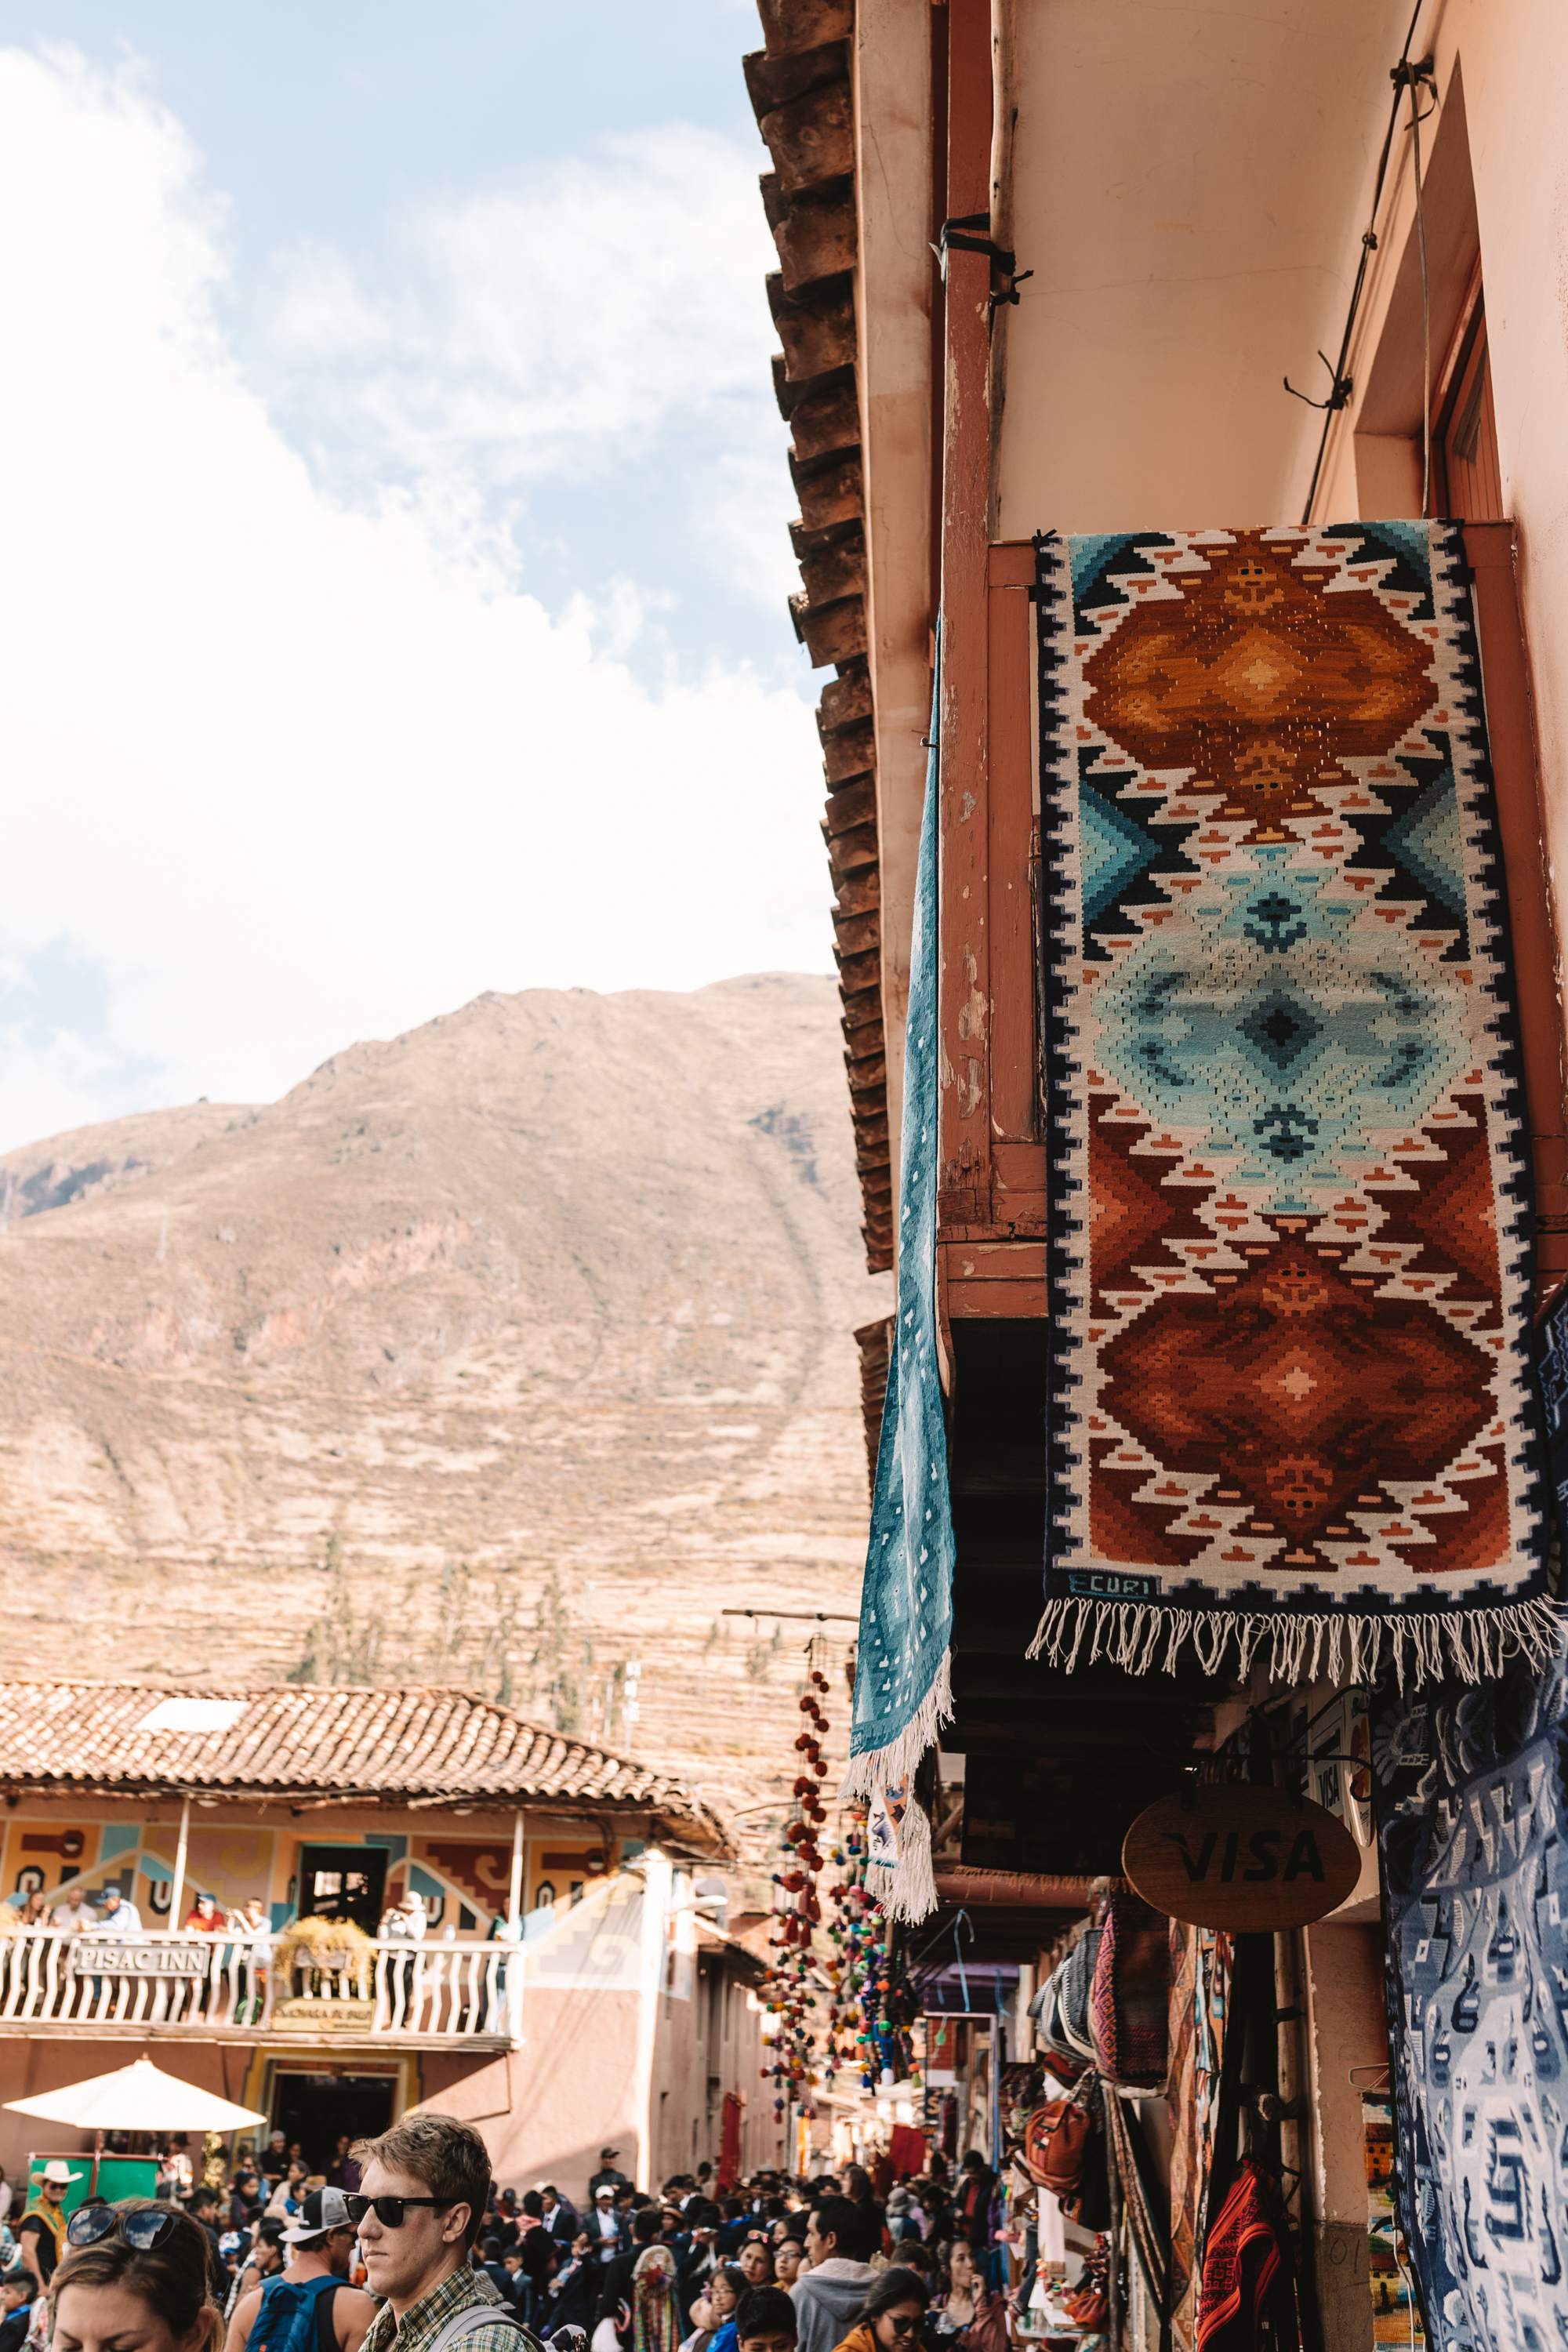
(1239,1856)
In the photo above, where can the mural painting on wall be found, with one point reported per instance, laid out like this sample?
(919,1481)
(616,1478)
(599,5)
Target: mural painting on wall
(482,1871)
(41,1859)
(596,1942)
(234,1865)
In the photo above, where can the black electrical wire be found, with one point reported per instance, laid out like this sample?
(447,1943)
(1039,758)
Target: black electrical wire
(1342,387)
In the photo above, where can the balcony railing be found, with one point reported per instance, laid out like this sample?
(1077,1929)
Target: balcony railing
(170,1982)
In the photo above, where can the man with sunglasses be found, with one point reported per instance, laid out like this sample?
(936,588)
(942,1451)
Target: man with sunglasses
(319,2245)
(421,2201)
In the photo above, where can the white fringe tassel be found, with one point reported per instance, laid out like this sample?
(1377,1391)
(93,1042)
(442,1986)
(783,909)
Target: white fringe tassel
(911,1893)
(900,1759)
(1469,1645)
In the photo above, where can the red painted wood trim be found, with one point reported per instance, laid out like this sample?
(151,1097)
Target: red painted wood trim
(1015,1053)
(964,1016)
(1511,726)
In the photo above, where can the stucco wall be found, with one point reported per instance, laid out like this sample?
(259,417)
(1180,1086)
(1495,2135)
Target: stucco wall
(1186,190)
(546,2109)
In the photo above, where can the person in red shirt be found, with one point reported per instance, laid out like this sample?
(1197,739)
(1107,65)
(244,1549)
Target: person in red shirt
(204,1918)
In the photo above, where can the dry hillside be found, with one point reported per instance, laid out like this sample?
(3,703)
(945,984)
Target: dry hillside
(505,1352)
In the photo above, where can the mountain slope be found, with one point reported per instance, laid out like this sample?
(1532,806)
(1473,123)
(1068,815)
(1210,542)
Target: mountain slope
(510,1351)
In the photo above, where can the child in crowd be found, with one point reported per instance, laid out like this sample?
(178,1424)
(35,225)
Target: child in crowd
(766,2321)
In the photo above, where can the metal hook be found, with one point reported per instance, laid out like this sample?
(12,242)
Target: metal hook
(1339,397)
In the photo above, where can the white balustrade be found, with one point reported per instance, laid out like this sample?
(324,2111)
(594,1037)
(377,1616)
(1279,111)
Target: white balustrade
(423,1992)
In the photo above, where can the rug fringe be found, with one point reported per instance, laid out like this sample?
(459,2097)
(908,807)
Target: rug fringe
(1423,1646)
(910,1892)
(900,1760)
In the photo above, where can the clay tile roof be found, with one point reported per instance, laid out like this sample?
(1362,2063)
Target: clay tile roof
(799,87)
(428,1744)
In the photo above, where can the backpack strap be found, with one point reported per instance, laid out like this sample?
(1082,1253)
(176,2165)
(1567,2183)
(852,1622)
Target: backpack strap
(474,2316)
(326,2334)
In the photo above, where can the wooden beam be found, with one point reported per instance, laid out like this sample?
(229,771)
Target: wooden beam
(1010,631)
(1491,549)
(964,1018)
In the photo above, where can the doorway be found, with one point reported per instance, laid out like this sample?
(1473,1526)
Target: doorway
(343,1881)
(318,2109)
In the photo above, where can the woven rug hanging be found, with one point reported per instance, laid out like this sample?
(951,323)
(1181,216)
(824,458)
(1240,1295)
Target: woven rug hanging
(1291,1408)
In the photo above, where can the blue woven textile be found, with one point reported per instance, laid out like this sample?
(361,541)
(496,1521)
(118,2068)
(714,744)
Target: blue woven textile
(1475,1873)
(901,1686)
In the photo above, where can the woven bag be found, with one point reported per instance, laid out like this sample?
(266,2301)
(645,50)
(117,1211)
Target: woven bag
(1130,2001)
(1063,2002)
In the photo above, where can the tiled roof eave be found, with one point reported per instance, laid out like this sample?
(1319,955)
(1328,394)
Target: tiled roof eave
(800,91)
(432,1748)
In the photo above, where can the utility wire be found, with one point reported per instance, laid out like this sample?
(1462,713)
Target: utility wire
(1342,387)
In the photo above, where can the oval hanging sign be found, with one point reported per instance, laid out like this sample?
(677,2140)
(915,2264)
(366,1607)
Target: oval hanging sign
(1241,1856)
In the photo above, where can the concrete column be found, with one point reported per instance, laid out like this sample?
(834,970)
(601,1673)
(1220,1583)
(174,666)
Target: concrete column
(177,1890)
(1346,2031)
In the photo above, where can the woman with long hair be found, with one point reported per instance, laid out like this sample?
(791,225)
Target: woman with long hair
(857,2187)
(890,2318)
(134,2277)
(967,2310)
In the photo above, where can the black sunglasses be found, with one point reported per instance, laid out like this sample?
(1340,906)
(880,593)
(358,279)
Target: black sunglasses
(903,2323)
(390,2211)
(143,2229)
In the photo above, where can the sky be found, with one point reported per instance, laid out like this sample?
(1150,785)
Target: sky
(392,549)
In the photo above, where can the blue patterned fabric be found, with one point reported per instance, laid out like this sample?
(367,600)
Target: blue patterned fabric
(902,1682)
(1470,1810)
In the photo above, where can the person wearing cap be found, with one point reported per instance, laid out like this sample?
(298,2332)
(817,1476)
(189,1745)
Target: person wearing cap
(41,2232)
(604,2226)
(404,1922)
(607,2176)
(321,2244)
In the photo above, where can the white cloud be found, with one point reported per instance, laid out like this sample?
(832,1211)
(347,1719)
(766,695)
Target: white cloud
(285,770)
(586,316)
(579,307)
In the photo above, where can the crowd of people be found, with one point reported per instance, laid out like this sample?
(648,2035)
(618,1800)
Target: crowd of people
(295,2263)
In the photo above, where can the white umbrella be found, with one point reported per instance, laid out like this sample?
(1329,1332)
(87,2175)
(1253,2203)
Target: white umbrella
(140,2097)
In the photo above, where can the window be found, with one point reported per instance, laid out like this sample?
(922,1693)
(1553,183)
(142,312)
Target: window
(343,1881)
(1464,427)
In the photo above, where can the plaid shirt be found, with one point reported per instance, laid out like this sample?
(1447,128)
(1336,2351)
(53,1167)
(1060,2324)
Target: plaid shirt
(426,2319)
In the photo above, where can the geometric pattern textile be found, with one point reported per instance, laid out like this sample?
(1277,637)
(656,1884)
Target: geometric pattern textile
(1473,1838)
(1289,1260)
(902,1677)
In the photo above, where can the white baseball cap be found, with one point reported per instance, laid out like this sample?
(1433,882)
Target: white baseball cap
(323,2209)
